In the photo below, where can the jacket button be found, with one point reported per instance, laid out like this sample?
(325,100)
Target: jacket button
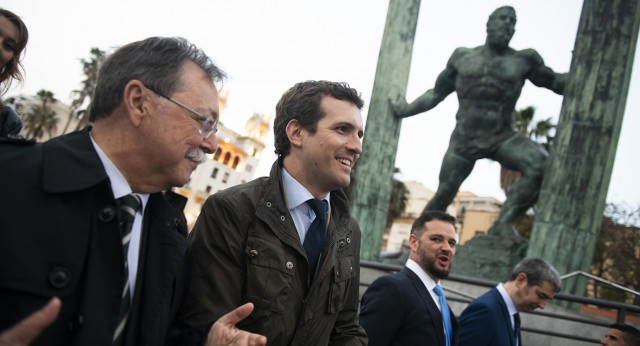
(76,322)
(289,265)
(59,277)
(268,204)
(253,253)
(282,218)
(107,213)
(348,240)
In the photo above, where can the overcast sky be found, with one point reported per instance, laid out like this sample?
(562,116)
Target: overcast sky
(267,46)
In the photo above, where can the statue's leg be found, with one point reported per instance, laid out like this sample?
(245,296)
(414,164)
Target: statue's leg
(454,170)
(530,158)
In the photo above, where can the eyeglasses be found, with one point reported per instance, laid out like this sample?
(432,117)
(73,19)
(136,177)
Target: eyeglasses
(207,124)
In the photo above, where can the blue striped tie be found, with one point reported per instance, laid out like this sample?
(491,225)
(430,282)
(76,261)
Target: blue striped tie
(129,206)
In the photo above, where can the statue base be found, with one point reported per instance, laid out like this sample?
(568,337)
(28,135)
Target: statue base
(489,257)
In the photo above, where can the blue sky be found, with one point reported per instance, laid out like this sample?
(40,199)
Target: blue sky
(267,46)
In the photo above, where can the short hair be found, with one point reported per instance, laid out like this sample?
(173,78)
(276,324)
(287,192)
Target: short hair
(538,271)
(155,61)
(14,69)
(302,102)
(419,225)
(630,334)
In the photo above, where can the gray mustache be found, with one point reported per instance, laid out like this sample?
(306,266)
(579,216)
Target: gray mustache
(197,155)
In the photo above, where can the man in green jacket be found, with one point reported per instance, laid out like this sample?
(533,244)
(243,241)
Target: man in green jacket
(253,242)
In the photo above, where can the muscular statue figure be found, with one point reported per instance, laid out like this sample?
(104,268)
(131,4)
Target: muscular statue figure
(488,80)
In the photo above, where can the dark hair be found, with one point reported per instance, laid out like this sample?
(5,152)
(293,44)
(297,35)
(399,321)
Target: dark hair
(14,69)
(538,271)
(630,334)
(419,225)
(156,62)
(302,102)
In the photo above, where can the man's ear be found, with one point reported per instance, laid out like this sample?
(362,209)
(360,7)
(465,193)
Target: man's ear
(294,132)
(136,102)
(521,280)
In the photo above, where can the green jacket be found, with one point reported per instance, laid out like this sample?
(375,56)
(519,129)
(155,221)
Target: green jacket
(245,248)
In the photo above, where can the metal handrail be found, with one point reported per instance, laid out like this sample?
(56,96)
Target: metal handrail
(613,284)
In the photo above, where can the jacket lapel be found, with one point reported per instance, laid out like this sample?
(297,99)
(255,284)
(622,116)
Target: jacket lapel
(504,311)
(430,305)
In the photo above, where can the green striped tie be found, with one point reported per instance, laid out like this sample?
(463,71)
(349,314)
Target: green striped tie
(129,205)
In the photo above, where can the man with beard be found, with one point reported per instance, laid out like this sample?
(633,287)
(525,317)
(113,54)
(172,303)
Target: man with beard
(409,307)
(493,319)
(86,216)
(488,80)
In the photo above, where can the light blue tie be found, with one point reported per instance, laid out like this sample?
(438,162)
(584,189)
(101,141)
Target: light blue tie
(444,309)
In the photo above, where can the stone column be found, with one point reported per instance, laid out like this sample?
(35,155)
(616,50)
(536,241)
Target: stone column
(574,190)
(374,169)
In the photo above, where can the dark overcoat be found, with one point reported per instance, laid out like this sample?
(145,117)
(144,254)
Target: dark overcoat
(59,236)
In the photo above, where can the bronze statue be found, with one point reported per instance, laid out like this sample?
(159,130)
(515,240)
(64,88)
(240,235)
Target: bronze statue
(488,80)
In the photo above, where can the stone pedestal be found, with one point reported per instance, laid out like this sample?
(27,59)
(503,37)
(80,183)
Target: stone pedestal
(489,257)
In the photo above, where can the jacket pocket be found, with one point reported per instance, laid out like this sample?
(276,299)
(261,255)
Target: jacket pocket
(270,271)
(343,272)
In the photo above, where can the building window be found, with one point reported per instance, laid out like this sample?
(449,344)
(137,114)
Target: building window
(216,156)
(225,177)
(235,162)
(248,168)
(214,174)
(227,157)
(208,189)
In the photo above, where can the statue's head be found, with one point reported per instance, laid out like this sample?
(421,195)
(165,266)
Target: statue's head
(500,27)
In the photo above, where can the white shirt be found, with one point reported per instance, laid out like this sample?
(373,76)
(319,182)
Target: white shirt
(510,305)
(297,196)
(120,187)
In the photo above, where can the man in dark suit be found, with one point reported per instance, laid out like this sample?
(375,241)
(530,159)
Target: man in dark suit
(405,308)
(494,319)
(65,231)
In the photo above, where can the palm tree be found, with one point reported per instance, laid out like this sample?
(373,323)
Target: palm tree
(523,124)
(82,96)
(40,118)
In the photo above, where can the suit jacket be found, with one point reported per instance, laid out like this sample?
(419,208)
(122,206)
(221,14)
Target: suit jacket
(486,321)
(60,237)
(398,310)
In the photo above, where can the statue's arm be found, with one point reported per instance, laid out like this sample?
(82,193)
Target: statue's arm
(542,75)
(445,85)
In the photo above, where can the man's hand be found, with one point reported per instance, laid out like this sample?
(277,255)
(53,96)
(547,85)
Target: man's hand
(28,329)
(224,332)
(398,106)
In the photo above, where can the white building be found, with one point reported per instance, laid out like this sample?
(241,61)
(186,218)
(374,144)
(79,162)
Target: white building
(473,213)
(233,163)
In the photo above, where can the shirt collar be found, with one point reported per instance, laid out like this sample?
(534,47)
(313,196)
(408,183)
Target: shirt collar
(507,299)
(119,185)
(295,192)
(429,283)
